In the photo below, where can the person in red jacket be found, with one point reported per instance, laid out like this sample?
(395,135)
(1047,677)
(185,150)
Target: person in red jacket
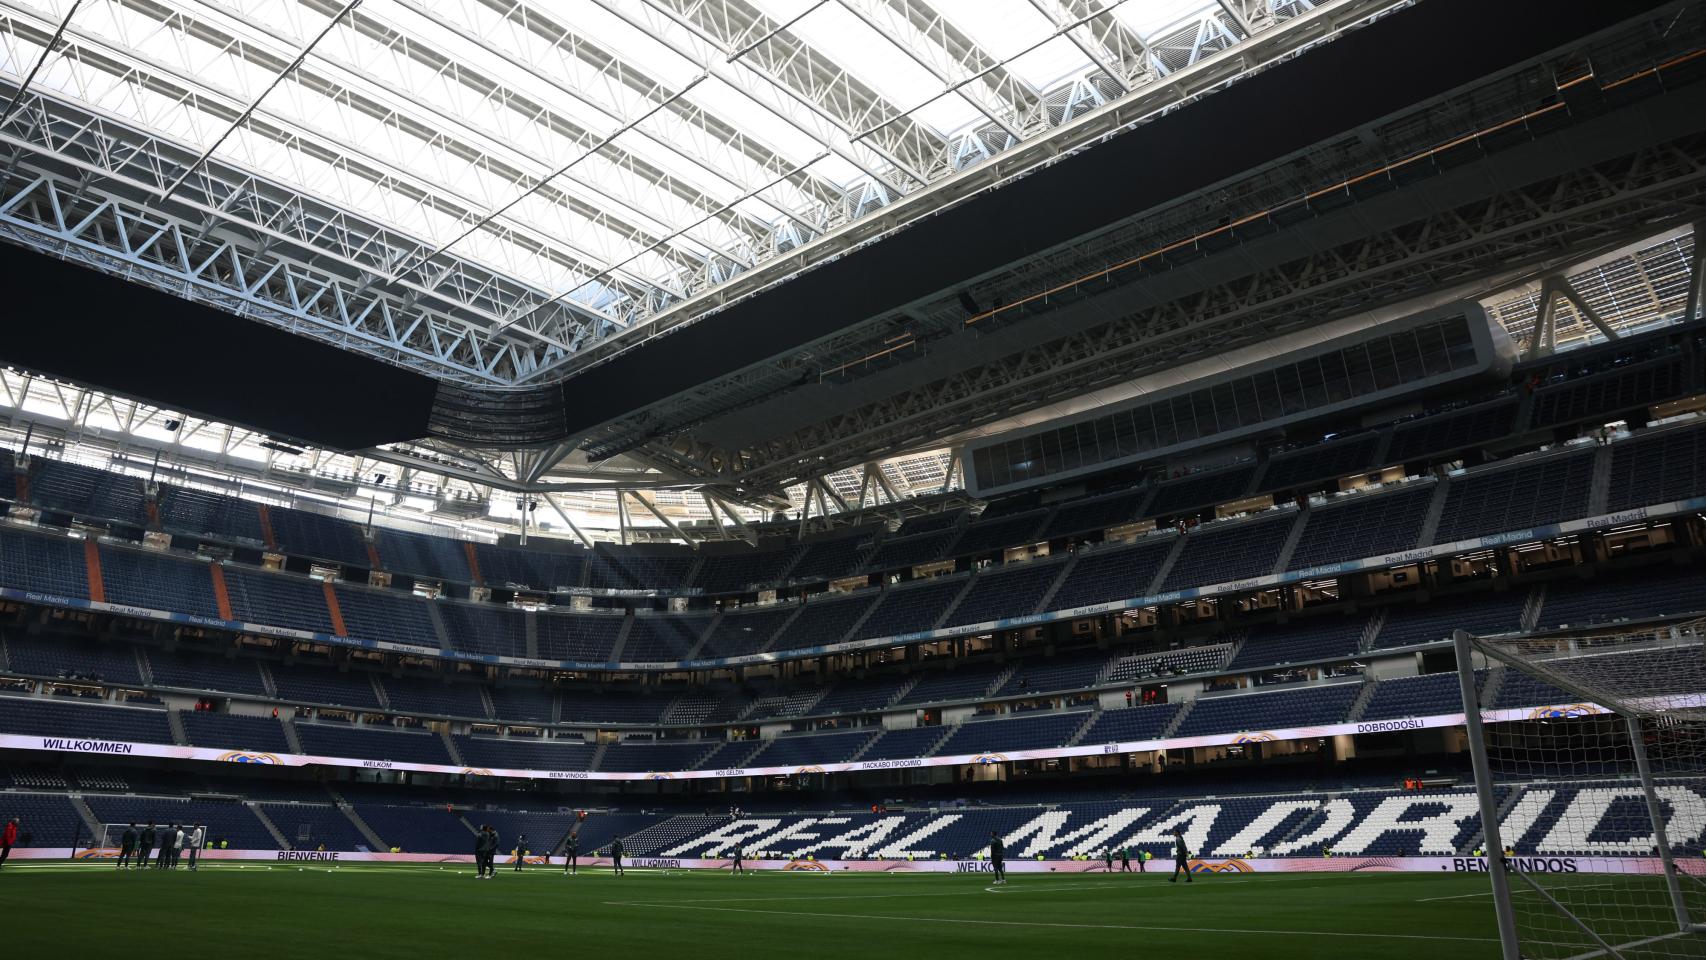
(8,837)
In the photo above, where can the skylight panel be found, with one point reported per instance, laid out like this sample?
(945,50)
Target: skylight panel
(1151,18)
(1002,28)
(1048,65)
(866,54)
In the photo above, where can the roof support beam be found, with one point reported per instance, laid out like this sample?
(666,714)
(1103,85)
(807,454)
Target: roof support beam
(1552,289)
(580,534)
(654,511)
(1696,274)
(35,68)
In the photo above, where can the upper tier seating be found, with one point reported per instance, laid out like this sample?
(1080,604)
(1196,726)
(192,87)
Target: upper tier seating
(1610,393)
(278,600)
(1369,525)
(86,492)
(931,523)
(1647,593)
(1447,432)
(586,637)
(199,513)
(997,533)
(537,568)
(53,565)
(485,628)
(741,632)
(1665,465)
(831,559)
(1112,573)
(1496,612)
(1323,461)
(1094,514)
(631,570)
(158,582)
(912,607)
(387,615)
(1200,490)
(1226,552)
(900,552)
(1496,501)
(734,572)
(319,536)
(663,638)
(824,621)
(1064,673)
(1002,592)
(1305,640)
(421,555)
(967,681)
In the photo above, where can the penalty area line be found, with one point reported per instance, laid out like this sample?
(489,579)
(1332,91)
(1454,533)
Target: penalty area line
(1154,928)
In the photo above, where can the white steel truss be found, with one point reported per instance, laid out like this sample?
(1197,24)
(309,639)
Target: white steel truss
(494,191)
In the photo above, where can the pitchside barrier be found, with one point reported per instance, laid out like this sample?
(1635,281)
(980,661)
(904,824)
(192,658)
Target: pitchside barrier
(1632,755)
(1241,738)
(1649,866)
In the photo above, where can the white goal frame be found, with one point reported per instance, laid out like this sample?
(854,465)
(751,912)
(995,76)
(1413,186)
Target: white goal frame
(1635,711)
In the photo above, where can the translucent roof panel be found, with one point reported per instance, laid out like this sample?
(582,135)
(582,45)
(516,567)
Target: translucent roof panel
(496,158)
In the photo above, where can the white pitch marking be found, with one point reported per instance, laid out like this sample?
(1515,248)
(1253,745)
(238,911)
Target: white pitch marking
(1069,926)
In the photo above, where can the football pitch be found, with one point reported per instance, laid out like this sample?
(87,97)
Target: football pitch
(424,911)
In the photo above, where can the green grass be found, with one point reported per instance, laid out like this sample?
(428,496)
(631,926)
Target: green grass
(428,912)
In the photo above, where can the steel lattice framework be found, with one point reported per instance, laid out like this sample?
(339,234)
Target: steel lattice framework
(492,192)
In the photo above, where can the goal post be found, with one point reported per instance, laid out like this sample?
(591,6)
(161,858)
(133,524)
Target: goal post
(1589,758)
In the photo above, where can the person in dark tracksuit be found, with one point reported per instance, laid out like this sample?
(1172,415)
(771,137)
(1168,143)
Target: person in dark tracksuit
(616,851)
(998,856)
(480,853)
(571,856)
(1181,858)
(144,847)
(126,847)
(168,842)
(520,850)
(738,864)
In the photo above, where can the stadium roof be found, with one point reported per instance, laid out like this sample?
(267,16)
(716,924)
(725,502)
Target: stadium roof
(450,236)
(536,179)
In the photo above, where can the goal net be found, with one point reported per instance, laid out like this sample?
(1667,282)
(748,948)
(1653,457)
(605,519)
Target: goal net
(1590,766)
